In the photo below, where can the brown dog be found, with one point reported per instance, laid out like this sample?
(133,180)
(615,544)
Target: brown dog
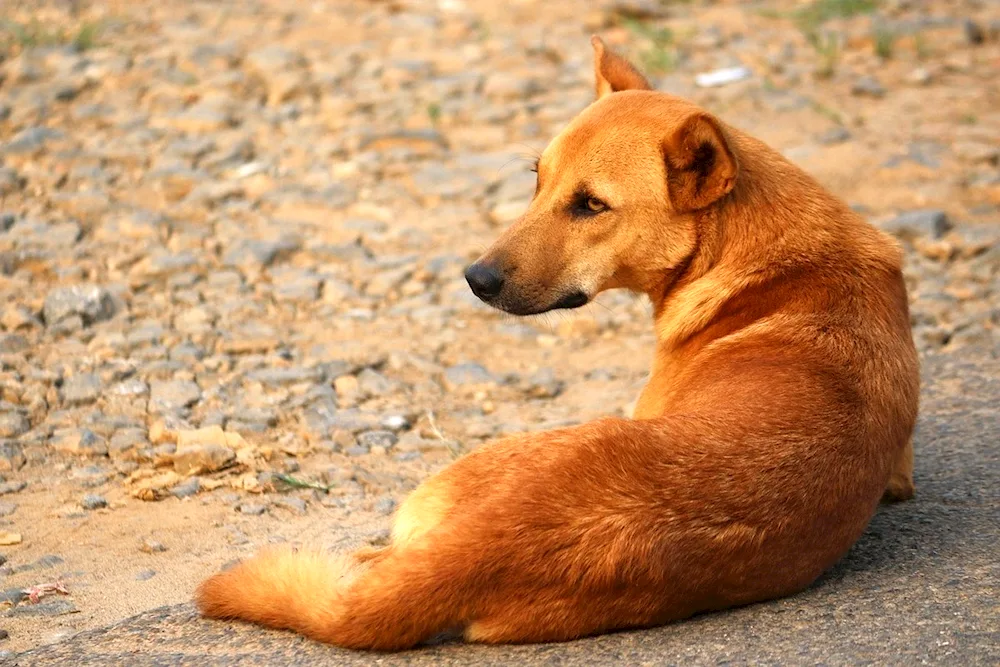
(780,407)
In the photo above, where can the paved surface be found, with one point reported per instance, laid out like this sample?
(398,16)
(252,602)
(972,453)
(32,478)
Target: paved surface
(921,587)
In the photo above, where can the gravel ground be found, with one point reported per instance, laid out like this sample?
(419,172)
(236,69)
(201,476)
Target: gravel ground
(232,237)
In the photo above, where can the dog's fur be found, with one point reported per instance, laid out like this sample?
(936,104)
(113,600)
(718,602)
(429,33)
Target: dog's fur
(779,410)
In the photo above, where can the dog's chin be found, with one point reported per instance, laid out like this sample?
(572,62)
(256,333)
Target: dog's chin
(567,301)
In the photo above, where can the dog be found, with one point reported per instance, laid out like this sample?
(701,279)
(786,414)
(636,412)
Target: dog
(778,413)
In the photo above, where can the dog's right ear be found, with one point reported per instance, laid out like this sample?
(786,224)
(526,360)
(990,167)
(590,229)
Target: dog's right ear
(614,73)
(701,167)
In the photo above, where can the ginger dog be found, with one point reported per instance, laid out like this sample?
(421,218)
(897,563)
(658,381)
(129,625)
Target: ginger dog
(779,411)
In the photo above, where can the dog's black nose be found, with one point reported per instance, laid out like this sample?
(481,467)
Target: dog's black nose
(485,281)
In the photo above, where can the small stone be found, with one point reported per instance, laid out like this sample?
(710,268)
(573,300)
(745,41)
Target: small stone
(13,424)
(543,384)
(47,607)
(292,503)
(251,509)
(198,459)
(385,505)
(372,383)
(6,509)
(173,395)
(977,151)
(286,376)
(396,422)
(93,502)
(8,538)
(384,439)
(126,439)
(835,135)
(466,375)
(11,456)
(145,575)
(929,223)
(30,140)
(12,487)
(90,302)
(80,441)
(16,317)
(974,32)
(186,488)
(868,85)
(921,76)
(209,435)
(81,389)
(151,546)
(346,386)
(13,343)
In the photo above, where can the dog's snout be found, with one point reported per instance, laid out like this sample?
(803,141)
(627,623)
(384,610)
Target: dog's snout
(485,281)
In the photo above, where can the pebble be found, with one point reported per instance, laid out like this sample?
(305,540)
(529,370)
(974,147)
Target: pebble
(80,441)
(173,395)
(868,86)
(12,487)
(8,538)
(13,424)
(203,458)
(928,223)
(89,302)
(252,509)
(370,439)
(93,502)
(296,505)
(151,546)
(467,374)
(187,488)
(81,389)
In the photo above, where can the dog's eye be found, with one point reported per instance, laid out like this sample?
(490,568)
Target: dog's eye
(586,206)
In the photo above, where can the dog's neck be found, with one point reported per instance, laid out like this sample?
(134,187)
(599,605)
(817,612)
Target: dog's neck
(749,237)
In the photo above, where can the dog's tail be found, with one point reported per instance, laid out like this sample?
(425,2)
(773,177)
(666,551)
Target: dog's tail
(385,603)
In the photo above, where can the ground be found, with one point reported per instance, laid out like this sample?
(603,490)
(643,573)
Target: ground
(232,307)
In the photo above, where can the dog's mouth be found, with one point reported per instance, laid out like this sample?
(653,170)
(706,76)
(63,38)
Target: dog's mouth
(570,300)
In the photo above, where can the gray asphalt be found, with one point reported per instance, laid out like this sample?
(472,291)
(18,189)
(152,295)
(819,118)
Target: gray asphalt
(921,587)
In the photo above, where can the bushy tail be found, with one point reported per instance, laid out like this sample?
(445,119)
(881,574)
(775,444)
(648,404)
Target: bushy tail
(382,604)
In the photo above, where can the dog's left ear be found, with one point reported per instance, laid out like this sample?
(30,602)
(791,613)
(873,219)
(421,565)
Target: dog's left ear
(614,73)
(701,167)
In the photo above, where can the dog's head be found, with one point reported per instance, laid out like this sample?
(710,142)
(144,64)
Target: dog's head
(615,200)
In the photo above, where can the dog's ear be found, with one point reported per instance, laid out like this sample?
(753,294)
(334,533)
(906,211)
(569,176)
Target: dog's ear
(701,167)
(614,73)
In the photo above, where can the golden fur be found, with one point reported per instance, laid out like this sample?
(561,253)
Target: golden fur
(779,409)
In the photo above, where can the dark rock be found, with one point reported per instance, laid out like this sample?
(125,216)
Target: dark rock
(93,502)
